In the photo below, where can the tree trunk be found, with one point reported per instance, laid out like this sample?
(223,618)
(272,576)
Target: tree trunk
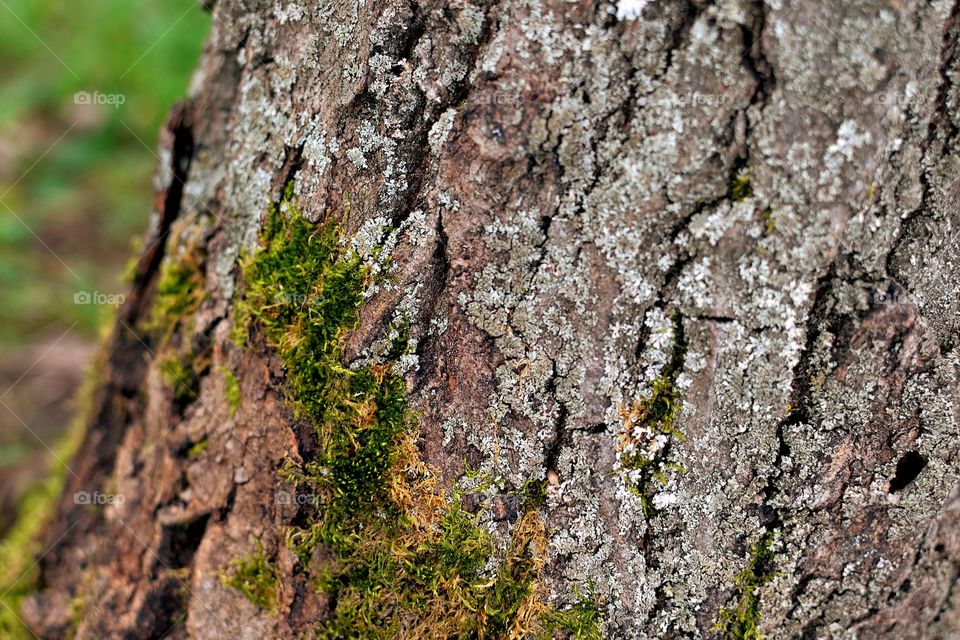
(669,290)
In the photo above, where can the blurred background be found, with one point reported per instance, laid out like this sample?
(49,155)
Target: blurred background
(85,88)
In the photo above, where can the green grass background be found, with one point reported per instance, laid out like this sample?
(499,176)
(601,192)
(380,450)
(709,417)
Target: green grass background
(75,190)
(84,191)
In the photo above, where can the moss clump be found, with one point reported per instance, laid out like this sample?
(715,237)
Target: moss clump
(231,389)
(304,294)
(579,622)
(179,291)
(741,621)
(35,510)
(771,222)
(533,495)
(404,561)
(648,428)
(183,376)
(19,547)
(194,450)
(256,578)
(741,187)
(416,583)
(178,294)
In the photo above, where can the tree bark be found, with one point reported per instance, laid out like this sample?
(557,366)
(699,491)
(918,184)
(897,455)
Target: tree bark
(744,210)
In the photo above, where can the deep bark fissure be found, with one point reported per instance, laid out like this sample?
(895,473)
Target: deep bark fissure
(418,177)
(555,446)
(939,115)
(181,156)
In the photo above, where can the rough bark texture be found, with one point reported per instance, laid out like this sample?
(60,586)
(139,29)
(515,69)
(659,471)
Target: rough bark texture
(561,192)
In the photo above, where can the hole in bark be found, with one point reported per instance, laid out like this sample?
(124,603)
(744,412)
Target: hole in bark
(947,346)
(180,542)
(307,440)
(411,37)
(163,612)
(908,468)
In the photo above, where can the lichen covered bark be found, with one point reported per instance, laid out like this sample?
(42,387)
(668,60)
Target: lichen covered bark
(542,197)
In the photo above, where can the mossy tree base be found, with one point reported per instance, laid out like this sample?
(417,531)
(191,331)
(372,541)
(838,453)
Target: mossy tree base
(507,205)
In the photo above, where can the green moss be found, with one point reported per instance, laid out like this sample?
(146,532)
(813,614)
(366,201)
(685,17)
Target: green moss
(771,223)
(579,622)
(182,376)
(741,187)
(231,389)
(394,588)
(19,547)
(401,344)
(304,294)
(179,292)
(658,412)
(533,495)
(79,605)
(741,622)
(177,296)
(649,429)
(256,578)
(405,562)
(197,448)
(24,541)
